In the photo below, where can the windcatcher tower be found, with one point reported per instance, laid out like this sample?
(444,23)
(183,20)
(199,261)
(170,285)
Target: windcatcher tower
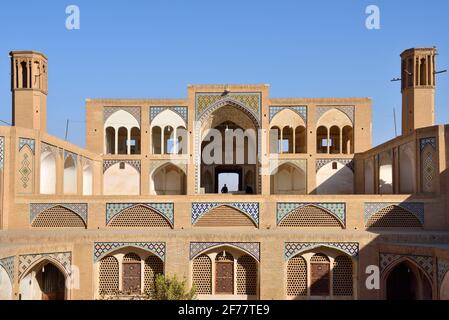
(418,88)
(29,86)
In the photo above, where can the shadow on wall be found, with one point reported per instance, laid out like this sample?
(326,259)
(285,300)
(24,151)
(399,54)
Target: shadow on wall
(334,178)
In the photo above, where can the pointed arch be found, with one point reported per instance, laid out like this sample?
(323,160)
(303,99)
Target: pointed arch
(48,173)
(121,179)
(70,175)
(394,216)
(227,101)
(58,217)
(288,178)
(169,179)
(225,216)
(139,216)
(311,216)
(222,246)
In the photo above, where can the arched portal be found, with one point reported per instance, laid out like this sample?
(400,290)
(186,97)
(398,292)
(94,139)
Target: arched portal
(45,281)
(406,281)
(168,179)
(229,148)
(288,179)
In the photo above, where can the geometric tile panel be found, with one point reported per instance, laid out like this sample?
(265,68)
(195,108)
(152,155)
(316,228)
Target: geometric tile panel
(443,268)
(347,162)
(109,163)
(79,208)
(48,148)
(182,111)
(251,209)
(64,258)
(103,248)
(252,248)
(250,101)
(300,110)
(293,248)
(416,208)
(2,152)
(337,209)
(26,142)
(8,264)
(425,262)
(134,111)
(348,110)
(425,141)
(165,209)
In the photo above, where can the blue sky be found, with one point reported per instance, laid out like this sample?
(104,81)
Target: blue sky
(153,49)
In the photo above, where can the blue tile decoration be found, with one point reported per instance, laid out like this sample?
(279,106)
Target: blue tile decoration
(322,162)
(134,111)
(8,264)
(252,248)
(291,249)
(300,110)
(443,268)
(108,163)
(337,209)
(64,259)
(101,249)
(2,152)
(416,208)
(81,209)
(425,262)
(426,141)
(26,142)
(249,102)
(251,209)
(348,110)
(182,111)
(165,209)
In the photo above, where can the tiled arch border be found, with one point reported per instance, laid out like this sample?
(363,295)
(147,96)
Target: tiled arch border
(109,163)
(424,262)
(110,110)
(252,248)
(8,264)
(292,249)
(336,209)
(166,210)
(62,259)
(180,110)
(250,209)
(80,209)
(347,110)
(301,110)
(415,208)
(101,249)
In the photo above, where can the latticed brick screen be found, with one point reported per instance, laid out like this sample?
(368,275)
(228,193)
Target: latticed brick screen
(246,275)
(393,217)
(297,277)
(139,216)
(310,216)
(224,216)
(58,217)
(108,276)
(153,266)
(342,276)
(202,274)
(131,257)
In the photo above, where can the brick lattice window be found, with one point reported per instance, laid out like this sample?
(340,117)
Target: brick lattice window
(297,276)
(131,257)
(202,274)
(108,276)
(58,217)
(310,216)
(246,275)
(153,266)
(342,276)
(139,216)
(224,216)
(393,217)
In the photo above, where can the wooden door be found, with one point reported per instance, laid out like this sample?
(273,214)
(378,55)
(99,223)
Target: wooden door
(131,277)
(320,279)
(53,283)
(224,279)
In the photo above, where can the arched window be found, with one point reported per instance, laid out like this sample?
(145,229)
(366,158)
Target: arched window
(322,141)
(300,140)
(110,140)
(169,142)
(320,275)
(48,173)
(275,138)
(348,141)
(87,180)
(122,140)
(334,140)
(24,67)
(156,140)
(135,140)
(386,172)
(287,140)
(168,179)
(70,176)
